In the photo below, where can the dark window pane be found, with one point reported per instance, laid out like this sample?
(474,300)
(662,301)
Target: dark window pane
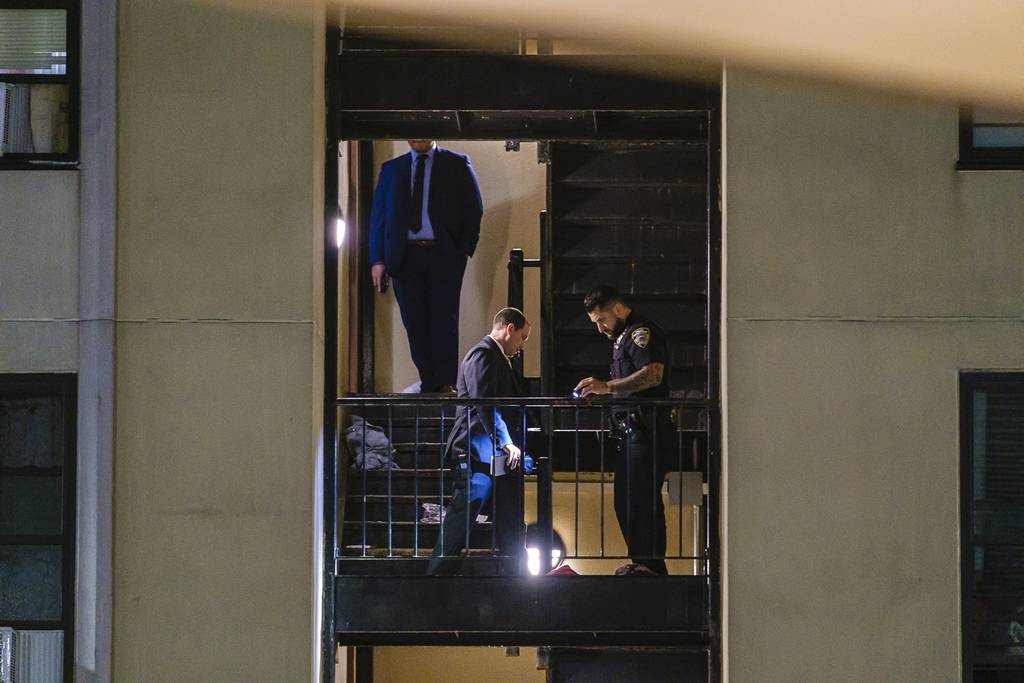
(33,41)
(31,580)
(31,432)
(37,118)
(999,136)
(30,505)
(994,628)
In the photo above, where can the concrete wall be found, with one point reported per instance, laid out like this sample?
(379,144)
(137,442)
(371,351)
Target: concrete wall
(219,340)
(862,273)
(38,271)
(56,310)
(514,192)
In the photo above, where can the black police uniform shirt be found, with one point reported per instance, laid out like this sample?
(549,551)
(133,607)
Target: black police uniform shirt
(641,343)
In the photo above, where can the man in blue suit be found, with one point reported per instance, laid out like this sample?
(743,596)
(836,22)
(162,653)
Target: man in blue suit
(424,226)
(480,446)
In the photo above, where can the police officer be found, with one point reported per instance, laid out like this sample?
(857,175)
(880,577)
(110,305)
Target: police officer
(641,366)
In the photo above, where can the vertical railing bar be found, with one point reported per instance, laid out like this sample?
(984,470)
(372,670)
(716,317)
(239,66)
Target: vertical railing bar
(493,518)
(709,502)
(550,511)
(391,450)
(416,484)
(696,536)
(544,516)
(601,444)
(695,546)
(470,517)
(656,489)
(363,543)
(440,490)
(679,480)
(576,512)
(629,481)
(521,507)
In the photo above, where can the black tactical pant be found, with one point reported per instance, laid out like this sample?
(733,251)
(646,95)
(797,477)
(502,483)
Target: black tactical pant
(639,472)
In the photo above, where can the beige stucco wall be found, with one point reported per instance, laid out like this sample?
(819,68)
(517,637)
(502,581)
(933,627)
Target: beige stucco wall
(38,271)
(219,341)
(513,188)
(862,273)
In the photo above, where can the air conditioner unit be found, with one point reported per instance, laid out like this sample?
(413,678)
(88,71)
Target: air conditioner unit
(6,655)
(6,96)
(15,119)
(31,656)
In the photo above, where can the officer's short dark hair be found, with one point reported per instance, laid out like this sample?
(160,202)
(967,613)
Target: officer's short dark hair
(602,297)
(509,315)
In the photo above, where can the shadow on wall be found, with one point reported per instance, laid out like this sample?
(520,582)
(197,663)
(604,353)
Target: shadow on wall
(513,186)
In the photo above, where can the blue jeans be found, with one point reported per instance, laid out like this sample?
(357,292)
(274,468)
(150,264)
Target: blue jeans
(505,495)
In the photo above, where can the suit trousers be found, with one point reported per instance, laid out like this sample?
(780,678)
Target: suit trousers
(505,495)
(640,470)
(427,289)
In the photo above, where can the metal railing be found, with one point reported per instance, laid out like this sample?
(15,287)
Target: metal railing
(396,466)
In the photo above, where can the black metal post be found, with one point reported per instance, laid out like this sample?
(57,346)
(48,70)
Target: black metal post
(364,665)
(547,351)
(545,513)
(364,185)
(329,534)
(713,453)
(515,296)
(515,279)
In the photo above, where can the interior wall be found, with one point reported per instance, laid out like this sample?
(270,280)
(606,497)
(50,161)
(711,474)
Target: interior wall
(455,665)
(219,340)
(863,273)
(513,186)
(39,229)
(596,504)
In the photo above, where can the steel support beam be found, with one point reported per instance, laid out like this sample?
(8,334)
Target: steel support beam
(551,610)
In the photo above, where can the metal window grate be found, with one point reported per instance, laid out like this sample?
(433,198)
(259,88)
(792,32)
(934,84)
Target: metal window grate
(992,470)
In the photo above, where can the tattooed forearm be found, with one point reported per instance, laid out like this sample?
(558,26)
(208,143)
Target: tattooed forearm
(646,377)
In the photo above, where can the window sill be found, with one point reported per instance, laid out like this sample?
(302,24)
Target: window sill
(40,165)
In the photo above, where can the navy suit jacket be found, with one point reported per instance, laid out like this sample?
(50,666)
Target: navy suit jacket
(484,373)
(454,205)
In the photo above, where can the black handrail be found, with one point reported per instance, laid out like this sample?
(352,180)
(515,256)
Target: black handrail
(516,263)
(527,401)
(607,413)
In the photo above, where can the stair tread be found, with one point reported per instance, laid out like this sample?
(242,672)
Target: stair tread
(407,553)
(400,497)
(401,472)
(401,524)
(617,182)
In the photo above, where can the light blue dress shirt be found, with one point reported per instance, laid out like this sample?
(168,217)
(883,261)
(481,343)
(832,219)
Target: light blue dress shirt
(427,230)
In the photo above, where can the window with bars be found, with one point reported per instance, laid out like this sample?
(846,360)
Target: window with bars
(39,110)
(991,140)
(37,505)
(992,510)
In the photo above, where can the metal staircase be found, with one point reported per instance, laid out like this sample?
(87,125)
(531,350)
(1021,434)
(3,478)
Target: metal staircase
(634,215)
(385,511)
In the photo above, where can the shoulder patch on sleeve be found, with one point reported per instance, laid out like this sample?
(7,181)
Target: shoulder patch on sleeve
(641,336)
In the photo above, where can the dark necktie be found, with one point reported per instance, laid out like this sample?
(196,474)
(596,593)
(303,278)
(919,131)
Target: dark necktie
(417,193)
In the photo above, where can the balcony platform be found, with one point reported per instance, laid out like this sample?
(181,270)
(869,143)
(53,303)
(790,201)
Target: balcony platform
(527,611)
